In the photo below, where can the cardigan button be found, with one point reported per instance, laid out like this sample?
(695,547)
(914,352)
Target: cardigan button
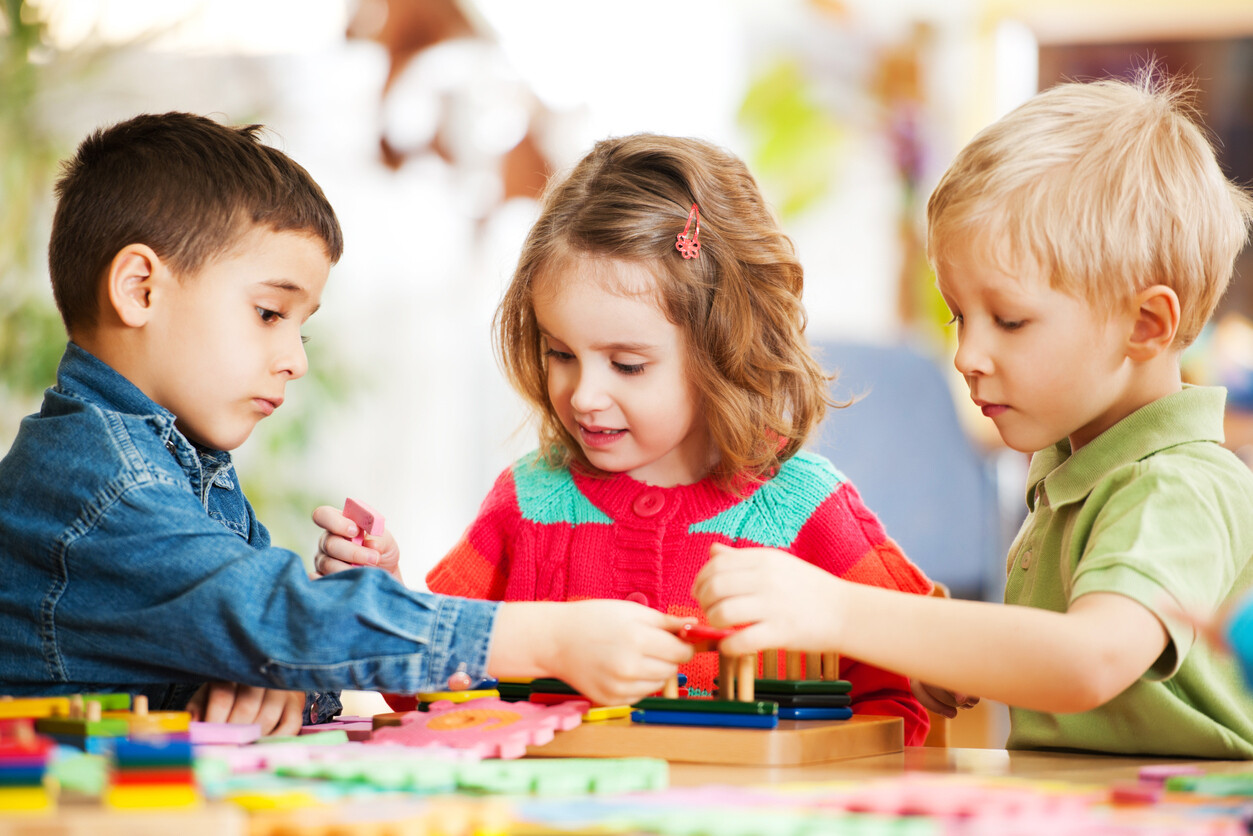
(649,503)
(638,598)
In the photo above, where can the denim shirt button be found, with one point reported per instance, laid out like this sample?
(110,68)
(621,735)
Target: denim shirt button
(169,445)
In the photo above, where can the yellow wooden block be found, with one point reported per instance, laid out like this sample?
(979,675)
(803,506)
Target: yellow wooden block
(25,799)
(516,680)
(287,800)
(137,796)
(154,722)
(458,696)
(606,712)
(34,707)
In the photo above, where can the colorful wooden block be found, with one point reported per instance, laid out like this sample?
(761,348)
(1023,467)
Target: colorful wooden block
(597,713)
(793,742)
(803,686)
(34,707)
(28,799)
(802,713)
(458,696)
(706,705)
(151,796)
(706,718)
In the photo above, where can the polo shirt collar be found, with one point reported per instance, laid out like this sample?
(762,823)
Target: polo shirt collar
(1194,413)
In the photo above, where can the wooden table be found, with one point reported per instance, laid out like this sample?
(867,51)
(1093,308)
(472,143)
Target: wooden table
(222,819)
(1059,766)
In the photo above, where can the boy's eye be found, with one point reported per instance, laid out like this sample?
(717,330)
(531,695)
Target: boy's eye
(1009,325)
(268,315)
(956,320)
(629,368)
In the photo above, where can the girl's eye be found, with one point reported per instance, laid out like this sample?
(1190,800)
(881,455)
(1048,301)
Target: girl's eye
(1009,325)
(268,316)
(629,368)
(559,356)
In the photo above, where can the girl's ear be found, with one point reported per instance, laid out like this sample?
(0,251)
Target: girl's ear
(1156,311)
(131,283)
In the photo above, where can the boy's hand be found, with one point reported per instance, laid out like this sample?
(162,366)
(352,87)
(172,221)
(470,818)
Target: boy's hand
(277,712)
(613,652)
(785,601)
(941,700)
(337,552)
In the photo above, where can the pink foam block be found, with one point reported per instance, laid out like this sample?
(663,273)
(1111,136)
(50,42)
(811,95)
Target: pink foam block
(488,726)
(367,519)
(218,733)
(357,728)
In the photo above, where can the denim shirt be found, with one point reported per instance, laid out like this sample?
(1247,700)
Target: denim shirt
(131,561)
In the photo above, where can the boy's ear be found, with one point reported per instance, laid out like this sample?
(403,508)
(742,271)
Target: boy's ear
(131,281)
(1156,311)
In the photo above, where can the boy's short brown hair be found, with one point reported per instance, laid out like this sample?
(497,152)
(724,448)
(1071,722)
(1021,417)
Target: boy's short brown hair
(1109,187)
(182,184)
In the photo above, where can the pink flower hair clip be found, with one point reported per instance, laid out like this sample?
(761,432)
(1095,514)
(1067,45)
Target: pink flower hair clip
(690,245)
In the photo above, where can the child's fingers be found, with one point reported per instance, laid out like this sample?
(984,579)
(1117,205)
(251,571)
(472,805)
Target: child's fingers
(220,698)
(333,520)
(248,702)
(345,551)
(293,714)
(270,712)
(751,639)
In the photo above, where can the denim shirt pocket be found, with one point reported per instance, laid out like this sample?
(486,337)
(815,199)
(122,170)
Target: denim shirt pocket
(225,502)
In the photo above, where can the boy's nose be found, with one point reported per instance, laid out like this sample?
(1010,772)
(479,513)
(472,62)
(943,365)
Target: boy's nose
(970,358)
(294,361)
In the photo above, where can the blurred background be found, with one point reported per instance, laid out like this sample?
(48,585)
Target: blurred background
(433,124)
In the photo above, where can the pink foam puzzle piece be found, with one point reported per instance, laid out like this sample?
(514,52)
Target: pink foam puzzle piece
(213,733)
(367,519)
(357,728)
(491,727)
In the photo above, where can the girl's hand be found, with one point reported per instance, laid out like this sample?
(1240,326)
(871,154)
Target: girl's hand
(277,712)
(613,652)
(337,552)
(940,700)
(785,601)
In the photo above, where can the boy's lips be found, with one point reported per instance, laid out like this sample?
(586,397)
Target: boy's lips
(991,410)
(268,405)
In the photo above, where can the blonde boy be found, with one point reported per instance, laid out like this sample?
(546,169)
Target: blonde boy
(1080,243)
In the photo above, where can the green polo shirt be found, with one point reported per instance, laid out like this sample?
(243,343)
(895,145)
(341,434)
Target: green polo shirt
(1157,510)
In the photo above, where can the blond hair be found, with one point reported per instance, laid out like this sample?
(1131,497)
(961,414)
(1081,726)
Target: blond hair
(738,304)
(1109,187)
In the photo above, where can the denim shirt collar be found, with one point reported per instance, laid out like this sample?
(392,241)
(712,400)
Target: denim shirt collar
(86,377)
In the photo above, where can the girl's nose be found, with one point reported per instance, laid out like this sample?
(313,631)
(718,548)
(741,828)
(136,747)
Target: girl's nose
(589,394)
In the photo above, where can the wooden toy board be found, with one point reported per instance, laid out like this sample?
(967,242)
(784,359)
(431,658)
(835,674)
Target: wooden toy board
(794,742)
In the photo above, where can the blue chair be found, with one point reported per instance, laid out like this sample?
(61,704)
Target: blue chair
(903,448)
